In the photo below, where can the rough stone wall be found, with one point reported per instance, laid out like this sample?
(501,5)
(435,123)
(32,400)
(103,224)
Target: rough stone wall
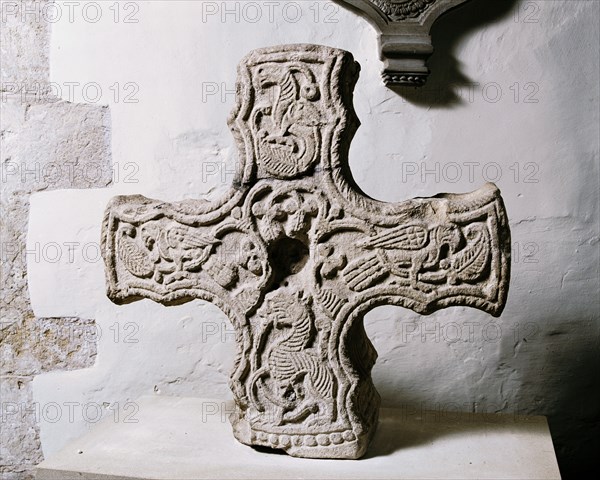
(46,143)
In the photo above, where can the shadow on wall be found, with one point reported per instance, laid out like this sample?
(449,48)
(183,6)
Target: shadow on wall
(446,77)
(552,370)
(571,394)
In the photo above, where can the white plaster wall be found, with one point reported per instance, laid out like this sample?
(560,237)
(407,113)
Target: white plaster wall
(546,146)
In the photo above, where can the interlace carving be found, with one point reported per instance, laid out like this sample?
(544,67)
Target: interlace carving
(296,257)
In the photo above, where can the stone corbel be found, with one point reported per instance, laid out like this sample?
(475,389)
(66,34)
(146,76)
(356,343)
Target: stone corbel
(404,40)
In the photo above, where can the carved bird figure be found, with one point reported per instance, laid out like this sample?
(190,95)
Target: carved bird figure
(162,250)
(185,247)
(287,144)
(471,262)
(402,252)
(135,257)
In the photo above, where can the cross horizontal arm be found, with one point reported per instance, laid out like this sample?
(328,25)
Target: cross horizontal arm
(158,251)
(455,252)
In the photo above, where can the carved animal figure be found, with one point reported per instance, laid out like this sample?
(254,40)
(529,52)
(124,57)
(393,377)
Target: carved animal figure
(287,146)
(285,214)
(136,259)
(303,382)
(163,250)
(402,252)
(470,263)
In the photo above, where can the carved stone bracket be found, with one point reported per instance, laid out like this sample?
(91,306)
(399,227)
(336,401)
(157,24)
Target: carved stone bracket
(296,257)
(404,40)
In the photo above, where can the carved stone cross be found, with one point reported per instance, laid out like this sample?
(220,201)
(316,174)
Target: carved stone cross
(296,256)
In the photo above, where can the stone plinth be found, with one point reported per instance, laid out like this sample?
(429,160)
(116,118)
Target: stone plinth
(190,438)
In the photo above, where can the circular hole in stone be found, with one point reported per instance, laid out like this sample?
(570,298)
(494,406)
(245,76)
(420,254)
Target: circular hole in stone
(288,257)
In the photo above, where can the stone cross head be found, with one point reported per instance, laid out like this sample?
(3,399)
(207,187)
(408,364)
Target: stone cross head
(295,255)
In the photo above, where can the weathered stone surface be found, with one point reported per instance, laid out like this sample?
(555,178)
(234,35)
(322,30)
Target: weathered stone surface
(38,345)
(54,144)
(295,256)
(47,144)
(20,447)
(44,146)
(24,44)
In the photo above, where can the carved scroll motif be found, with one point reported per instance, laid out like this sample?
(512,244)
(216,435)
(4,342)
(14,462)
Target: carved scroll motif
(401,9)
(295,257)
